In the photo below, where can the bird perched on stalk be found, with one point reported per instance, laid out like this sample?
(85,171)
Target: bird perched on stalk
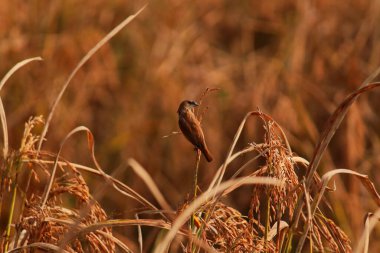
(191,127)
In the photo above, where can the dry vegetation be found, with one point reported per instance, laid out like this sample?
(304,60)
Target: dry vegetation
(299,174)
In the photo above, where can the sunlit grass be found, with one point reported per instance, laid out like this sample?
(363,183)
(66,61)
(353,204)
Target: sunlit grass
(126,93)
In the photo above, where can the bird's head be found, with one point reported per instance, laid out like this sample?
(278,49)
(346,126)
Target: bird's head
(186,105)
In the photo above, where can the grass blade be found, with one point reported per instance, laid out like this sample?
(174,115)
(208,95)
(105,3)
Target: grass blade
(2,111)
(90,53)
(185,215)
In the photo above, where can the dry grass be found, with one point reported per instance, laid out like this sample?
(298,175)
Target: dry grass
(274,185)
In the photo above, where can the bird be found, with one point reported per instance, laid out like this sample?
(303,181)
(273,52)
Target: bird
(191,127)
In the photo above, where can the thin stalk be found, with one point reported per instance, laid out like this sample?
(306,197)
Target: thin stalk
(199,233)
(13,203)
(196,173)
(11,212)
(288,246)
(24,194)
(311,242)
(267,223)
(2,187)
(195,186)
(278,214)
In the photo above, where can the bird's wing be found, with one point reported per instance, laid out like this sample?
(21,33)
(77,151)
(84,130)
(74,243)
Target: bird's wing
(192,130)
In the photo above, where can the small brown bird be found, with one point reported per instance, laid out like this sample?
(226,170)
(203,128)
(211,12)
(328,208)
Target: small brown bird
(191,127)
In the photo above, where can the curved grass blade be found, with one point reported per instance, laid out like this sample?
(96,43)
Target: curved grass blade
(90,53)
(370,223)
(40,245)
(2,111)
(325,180)
(332,125)
(220,173)
(144,175)
(186,214)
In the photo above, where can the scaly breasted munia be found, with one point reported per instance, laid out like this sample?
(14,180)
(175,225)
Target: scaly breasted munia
(191,127)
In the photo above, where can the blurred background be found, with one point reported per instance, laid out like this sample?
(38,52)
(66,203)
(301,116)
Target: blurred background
(295,60)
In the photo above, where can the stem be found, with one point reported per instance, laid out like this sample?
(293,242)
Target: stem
(195,249)
(11,211)
(24,194)
(267,223)
(2,190)
(278,214)
(288,245)
(18,165)
(196,173)
(311,242)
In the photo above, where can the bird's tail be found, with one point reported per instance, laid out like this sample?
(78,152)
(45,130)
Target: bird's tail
(207,154)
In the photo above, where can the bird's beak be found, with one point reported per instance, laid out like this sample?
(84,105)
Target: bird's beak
(194,104)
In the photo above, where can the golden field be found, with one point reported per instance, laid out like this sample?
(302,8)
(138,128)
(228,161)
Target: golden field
(292,62)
